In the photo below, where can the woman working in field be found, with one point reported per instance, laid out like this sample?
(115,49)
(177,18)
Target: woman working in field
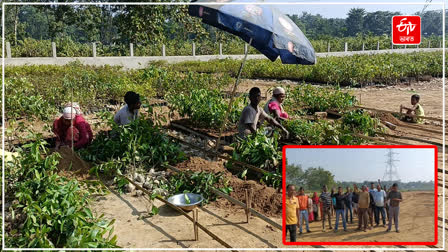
(72,127)
(274,106)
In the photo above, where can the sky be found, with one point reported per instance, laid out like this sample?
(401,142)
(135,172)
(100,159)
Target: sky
(340,11)
(366,164)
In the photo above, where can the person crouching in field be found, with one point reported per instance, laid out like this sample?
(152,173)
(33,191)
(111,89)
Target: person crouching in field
(363,208)
(81,131)
(292,213)
(129,112)
(394,209)
(252,113)
(339,207)
(415,110)
(325,199)
(303,202)
(274,105)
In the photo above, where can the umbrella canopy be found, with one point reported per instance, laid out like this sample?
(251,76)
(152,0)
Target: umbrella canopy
(272,33)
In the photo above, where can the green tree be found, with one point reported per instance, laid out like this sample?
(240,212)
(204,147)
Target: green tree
(355,21)
(294,174)
(315,178)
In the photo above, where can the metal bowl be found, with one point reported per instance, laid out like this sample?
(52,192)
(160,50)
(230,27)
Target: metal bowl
(179,200)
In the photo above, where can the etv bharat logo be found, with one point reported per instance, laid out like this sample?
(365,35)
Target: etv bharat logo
(406,30)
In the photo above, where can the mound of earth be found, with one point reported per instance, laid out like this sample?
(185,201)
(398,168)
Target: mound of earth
(388,117)
(71,164)
(265,200)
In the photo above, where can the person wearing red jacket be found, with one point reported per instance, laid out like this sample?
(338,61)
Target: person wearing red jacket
(62,128)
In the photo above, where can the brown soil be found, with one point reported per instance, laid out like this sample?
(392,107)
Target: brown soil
(265,199)
(388,117)
(71,165)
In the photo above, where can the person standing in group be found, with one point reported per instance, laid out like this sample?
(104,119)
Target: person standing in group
(333,201)
(394,210)
(371,210)
(303,213)
(129,112)
(348,205)
(379,197)
(310,209)
(325,199)
(316,206)
(339,207)
(386,203)
(363,208)
(355,199)
(292,213)
(251,115)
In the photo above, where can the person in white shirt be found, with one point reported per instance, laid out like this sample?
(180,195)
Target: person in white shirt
(129,112)
(379,196)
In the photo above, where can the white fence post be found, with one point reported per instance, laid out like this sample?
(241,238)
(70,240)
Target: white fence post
(418,46)
(194,49)
(131,49)
(328,46)
(53,45)
(94,49)
(440,44)
(8,50)
(391,45)
(429,44)
(346,47)
(220,48)
(245,48)
(163,51)
(363,45)
(378,46)
(405,46)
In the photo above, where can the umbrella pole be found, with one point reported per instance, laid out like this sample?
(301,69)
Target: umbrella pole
(229,108)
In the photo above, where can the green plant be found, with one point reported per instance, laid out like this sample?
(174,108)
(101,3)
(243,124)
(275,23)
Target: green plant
(50,211)
(205,108)
(200,183)
(361,122)
(258,150)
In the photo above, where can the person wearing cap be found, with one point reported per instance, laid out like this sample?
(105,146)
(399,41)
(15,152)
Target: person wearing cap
(252,113)
(81,130)
(129,112)
(274,105)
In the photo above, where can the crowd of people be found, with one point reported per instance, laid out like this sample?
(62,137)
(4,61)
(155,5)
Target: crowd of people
(369,205)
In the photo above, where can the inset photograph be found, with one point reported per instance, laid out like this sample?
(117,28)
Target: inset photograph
(366,195)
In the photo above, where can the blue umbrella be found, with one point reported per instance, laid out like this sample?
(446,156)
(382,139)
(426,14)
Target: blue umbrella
(262,26)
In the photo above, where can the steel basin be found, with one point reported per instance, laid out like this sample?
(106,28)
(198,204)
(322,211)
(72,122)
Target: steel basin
(179,200)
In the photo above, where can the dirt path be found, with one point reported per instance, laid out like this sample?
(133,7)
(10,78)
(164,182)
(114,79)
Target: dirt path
(169,229)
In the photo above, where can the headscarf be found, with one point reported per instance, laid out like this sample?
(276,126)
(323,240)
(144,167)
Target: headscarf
(69,113)
(315,198)
(278,90)
(74,105)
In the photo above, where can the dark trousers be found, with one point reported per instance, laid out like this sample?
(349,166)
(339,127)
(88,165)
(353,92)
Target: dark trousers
(379,210)
(292,232)
(326,213)
(348,209)
(370,213)
(363,217)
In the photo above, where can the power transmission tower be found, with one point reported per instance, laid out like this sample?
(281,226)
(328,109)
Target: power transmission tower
(391,169)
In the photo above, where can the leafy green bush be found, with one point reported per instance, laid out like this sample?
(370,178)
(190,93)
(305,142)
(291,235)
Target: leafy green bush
(258,150)
(359,121)
(139,144)
(205,108)
(49,211)
(311,99)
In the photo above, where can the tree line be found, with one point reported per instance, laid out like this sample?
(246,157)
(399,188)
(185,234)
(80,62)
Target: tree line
(123,24)
(313,178)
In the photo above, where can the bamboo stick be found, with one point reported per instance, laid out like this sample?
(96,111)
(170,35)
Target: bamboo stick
(421,128)
(412,138)
(180,211)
